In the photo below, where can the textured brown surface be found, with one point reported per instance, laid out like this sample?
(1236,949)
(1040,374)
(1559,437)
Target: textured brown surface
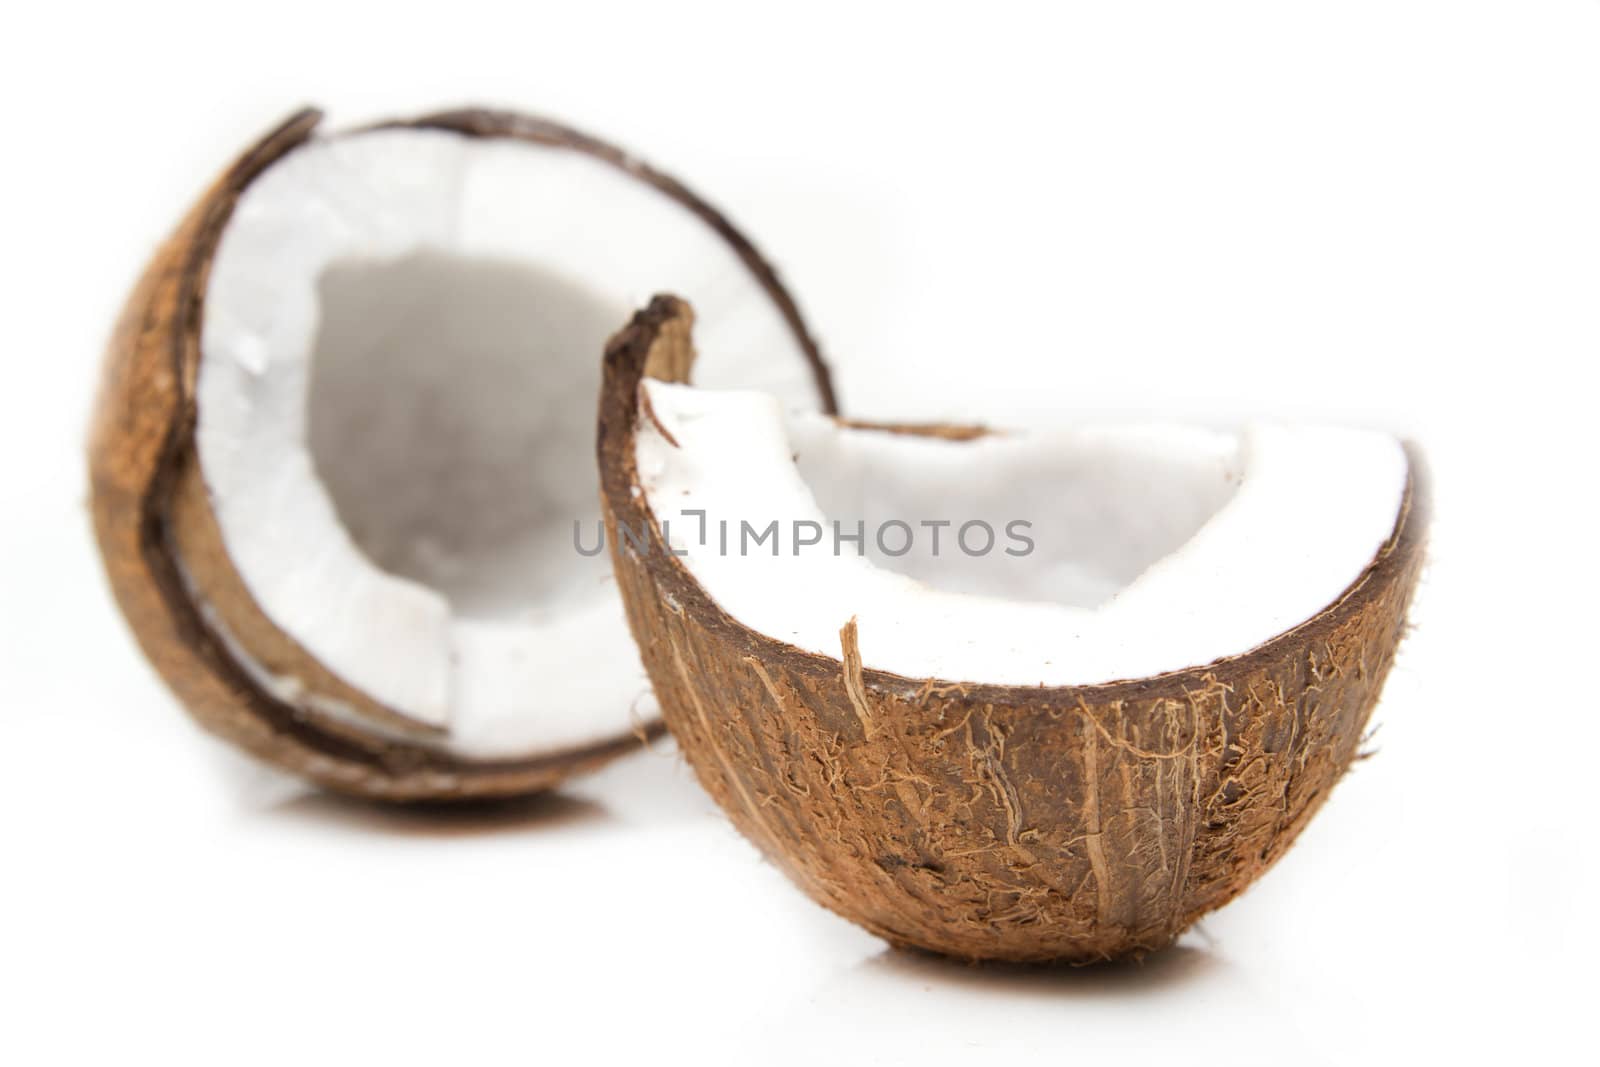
(1075,824)
(154,524)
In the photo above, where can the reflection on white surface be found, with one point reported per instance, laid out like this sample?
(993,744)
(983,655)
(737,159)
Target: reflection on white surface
(900,1007)
(833,993)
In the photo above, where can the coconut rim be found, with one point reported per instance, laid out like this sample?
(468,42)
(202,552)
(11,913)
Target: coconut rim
(310,728)
(628,360)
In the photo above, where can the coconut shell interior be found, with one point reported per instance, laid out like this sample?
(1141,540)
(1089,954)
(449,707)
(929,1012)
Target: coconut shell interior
(185,602)
(1075,824)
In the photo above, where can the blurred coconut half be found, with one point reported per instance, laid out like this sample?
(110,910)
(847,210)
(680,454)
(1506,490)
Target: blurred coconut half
(342,460)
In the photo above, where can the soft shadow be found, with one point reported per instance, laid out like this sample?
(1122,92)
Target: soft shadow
(1170,967)
(542,812)
(650,787)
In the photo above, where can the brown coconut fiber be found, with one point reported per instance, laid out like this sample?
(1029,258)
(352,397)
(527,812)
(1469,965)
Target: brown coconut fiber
(990,822)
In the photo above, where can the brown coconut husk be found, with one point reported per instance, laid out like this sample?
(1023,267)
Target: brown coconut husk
(165,559)
(993,822)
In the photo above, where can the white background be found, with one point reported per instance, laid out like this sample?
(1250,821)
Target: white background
(1382,211)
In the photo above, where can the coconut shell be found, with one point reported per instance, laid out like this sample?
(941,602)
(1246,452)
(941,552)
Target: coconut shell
(164,555)
(990,822)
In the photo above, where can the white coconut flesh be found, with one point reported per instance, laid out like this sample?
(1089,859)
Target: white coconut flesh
(1154,547)
(401,353)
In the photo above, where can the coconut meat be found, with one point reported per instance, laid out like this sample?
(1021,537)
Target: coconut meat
(1154,547)
(401,344)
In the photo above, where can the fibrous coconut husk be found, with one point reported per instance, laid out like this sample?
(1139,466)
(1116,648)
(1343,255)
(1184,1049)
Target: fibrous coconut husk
(994,822)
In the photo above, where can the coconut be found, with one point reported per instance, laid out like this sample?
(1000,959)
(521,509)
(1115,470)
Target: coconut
(341,460)
(1067,743)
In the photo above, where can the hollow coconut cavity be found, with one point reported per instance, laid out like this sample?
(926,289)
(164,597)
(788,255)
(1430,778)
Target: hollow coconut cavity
(343,462)
(1067,692)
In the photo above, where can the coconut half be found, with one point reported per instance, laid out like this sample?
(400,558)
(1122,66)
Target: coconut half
(342,459)
(1063,739)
